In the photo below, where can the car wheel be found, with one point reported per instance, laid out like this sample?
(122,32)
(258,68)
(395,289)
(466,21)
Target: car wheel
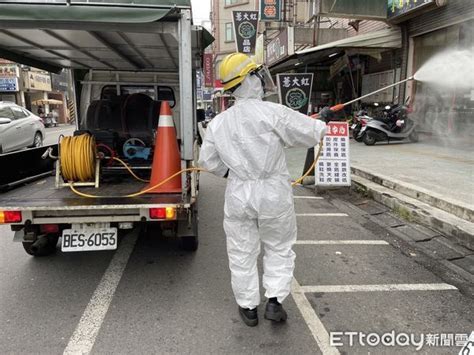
(38,140)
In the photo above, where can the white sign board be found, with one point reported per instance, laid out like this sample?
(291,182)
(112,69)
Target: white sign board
(333,167)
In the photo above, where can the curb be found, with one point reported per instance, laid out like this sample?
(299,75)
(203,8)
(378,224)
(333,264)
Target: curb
(413,210)
(456,208)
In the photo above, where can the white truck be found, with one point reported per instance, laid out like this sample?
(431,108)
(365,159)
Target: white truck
(126,57)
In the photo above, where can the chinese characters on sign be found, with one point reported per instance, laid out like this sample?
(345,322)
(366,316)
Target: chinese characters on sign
(295,90)
(8,84)
(401,7)
(270,10)
(245,29)
(208,71)
(333,167)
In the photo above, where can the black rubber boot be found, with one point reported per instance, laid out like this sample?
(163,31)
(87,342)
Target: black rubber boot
(249,316)
(274,311)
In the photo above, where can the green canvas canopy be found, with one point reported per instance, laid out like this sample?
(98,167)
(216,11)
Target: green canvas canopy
(111,34)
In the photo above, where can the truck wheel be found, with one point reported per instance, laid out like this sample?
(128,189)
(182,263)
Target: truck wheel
(43,246)
(189,243)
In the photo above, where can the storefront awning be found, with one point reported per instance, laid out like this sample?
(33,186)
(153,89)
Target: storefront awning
(389,38)
(371,44)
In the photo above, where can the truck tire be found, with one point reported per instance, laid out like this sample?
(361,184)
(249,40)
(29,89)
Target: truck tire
(190,243)
(42,248)
(189,239)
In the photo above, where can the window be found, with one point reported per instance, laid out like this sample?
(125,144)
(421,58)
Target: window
(5,112)
(18,113)
(231,2)
(229,32)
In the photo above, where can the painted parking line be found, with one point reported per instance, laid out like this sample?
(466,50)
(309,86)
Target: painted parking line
(322,215)
(308,198)
(313,322)
(384,287)
(83,338)
(342,242)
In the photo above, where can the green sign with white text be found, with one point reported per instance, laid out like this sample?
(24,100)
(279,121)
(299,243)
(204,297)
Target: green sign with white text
(397,8)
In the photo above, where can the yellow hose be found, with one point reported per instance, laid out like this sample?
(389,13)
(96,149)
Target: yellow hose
(74,168)
(77,158)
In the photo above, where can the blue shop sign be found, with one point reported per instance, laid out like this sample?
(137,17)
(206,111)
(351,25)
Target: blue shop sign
(8,84)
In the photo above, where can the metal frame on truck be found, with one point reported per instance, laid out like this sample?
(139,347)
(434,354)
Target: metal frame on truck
(155,40)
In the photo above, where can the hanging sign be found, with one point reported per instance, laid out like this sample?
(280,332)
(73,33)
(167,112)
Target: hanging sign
(8,84)
(245,29)
(208,70)
(270,10)
(294,90)
(397,8)
(333,166)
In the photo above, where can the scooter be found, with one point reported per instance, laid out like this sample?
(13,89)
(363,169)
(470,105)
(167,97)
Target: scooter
(395,126)
(50,121)
(360,119)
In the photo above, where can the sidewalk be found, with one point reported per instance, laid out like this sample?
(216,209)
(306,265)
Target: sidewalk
(425,182)
(443,171)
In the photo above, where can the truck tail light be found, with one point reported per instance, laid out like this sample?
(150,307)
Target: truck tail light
(163,213)
(10,216)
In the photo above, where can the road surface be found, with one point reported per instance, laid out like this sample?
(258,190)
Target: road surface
(151,297)
(53,133)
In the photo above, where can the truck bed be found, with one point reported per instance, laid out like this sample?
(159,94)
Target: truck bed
(42,195)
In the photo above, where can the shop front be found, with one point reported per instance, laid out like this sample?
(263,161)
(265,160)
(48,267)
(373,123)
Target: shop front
(436,28)
(36,87)
(9,82)
(444,110)
(347,68)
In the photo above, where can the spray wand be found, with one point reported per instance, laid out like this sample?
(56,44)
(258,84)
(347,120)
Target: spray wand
(339,107)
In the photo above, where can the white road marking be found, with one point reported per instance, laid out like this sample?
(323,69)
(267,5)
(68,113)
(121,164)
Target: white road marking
(83,338)
(342,242)
(371,288)
(314,324)
(322,215)
(309,197)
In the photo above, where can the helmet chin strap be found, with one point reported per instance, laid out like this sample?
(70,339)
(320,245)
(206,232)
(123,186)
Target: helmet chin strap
(258,75)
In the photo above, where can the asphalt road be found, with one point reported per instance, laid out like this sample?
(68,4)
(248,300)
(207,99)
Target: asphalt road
(151,297)
(53,133)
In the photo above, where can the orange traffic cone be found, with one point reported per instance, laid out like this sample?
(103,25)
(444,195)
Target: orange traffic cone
(166,158)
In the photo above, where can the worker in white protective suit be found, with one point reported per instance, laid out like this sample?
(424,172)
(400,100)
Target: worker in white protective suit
(246,143)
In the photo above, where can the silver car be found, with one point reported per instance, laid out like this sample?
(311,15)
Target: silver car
(19,128)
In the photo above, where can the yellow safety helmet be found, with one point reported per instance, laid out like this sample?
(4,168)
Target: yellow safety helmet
(234,68)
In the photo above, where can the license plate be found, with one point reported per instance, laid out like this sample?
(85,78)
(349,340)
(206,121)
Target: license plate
(89,239)
(354,126)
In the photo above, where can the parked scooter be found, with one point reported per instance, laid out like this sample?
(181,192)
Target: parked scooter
(359,121)
(50,121)
(395,125)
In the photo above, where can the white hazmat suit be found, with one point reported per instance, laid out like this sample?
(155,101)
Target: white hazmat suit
(248,141)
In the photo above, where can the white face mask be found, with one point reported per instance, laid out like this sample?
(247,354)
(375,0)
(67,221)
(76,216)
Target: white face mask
(250,88)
